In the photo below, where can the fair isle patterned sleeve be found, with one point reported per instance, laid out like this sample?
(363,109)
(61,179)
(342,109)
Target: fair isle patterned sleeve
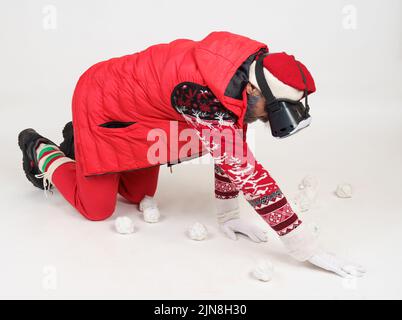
(236,169)
(224,188)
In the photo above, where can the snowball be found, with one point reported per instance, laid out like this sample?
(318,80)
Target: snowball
(197,232)
(307,195)
(124,225)
(309,181)
(264,271)
(302,202)
(151,215)
(149,209)
(344,190)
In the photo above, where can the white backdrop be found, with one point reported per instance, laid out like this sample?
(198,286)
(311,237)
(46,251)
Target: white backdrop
(46,45)
(352,48)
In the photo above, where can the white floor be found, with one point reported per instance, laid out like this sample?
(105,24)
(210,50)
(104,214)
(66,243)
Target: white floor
(49,251)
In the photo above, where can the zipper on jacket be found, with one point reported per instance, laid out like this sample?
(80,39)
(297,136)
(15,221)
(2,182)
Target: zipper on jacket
(170,166)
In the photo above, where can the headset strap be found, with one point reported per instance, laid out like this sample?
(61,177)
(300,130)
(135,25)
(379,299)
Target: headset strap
(262,83)
(305,88)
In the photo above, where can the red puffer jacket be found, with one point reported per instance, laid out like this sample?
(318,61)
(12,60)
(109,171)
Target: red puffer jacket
(117,102)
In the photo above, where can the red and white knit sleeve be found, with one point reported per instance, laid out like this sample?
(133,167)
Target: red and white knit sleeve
(237,170)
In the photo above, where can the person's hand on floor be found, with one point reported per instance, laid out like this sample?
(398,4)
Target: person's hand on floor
(302,244)
(237,225)
(334,264)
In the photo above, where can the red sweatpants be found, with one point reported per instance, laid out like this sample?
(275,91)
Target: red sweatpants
(95,197)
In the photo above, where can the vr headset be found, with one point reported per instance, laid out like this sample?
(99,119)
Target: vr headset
(286,117)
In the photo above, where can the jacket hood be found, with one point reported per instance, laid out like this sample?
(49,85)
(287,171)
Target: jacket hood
(224,59)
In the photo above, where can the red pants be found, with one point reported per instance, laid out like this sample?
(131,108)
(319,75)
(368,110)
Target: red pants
(95,197)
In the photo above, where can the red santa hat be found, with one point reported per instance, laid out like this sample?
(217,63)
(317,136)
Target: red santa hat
(282,72)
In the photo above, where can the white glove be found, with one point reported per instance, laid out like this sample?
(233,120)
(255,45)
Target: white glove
(237,225)
(334,264)
(302,244)
(230,223)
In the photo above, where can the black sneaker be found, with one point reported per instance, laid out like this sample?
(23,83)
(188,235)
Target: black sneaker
(29,140)
(67,146)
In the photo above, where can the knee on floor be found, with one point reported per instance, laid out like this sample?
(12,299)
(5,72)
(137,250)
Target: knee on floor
(98,213)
